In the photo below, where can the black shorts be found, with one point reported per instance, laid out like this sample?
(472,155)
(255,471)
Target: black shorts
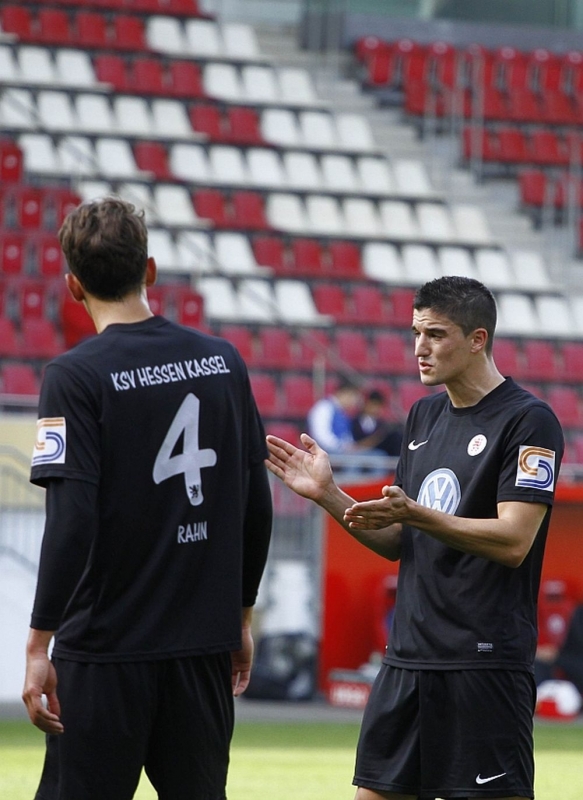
(450,734)
(174,718)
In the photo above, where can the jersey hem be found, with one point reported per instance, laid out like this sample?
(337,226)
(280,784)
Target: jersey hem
(513,666)
(116,658)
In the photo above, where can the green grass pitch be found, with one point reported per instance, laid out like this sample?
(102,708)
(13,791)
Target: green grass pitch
(313,761)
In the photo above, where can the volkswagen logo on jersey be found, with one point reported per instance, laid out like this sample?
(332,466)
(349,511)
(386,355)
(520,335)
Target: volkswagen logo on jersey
(440,491)
(536,468)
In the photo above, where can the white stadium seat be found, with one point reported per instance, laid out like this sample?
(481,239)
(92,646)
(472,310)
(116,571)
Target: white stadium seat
(470,224)
(239,41)
(280,126)
(420,263)
(94,114)
(132,116)
(227,165)
(398,220)
(36,65)
(235,255)
(162,248)
(516,315)
(55,111)
(174,206)
(265,168)
(554,316)
(286,212)
(318,130)
(339,174)
(77,155)
(296,304)
(435,222)
(195,252)
(375,175)
(381,261)
(222,81)
(17,110)
(167,35)
(115,158)
(494,270)
(203,38)
(457,261)
(530,271)
(354,132)
(296,86)
(257,301)
(189,162)
(411,178)
(220,299)
(303,171)
(260,84)
(170,119)
(40,154)
(325,215)
(361,217)
(74,68)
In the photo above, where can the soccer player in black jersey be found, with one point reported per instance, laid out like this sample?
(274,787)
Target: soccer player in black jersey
(450,714)
(158,520)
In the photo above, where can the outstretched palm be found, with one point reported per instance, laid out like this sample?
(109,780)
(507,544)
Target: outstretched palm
(307,472)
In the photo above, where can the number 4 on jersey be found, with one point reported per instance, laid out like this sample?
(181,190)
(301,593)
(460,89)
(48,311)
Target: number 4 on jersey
(192,459)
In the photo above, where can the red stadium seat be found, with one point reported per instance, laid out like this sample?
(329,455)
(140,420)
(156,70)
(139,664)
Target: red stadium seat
(248,211)
(401,302)
(392,355)
(548,71)
(408,392)
(276,349)
(208,119)
(345,259)
(12,253)
(32,299)
(76,323)
(512,146)
(265,393)
(11,162)
(243,126)
(307,257)
(314,348)
(284,430)
(62,201)
(112,69)
(443,65)
(523,106)
(368,46)
(185,79)
(352,348)
(507,358)
(16,20)
(49,258)
(29,202)
(368,306)
(147,76)
(189,8)
(532,186)
(91,29)
(558,109)
(242,338)
(152,157)
(189,308)
(128,33)
(40,339)
(566,404)
(541,362)
(511,68)
(297,395)
(572,358)
(413,61)
(19,379)
(270,251)
(331,299)
(211,204)
(494,104)
(381,68)
(547,149)
(53,27)
(479,143)
(10,346)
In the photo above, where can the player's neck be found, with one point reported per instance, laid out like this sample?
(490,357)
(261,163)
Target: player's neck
(468,389)
(132,309)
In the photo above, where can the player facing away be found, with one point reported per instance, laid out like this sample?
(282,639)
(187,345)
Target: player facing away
(450,714)
(158,520)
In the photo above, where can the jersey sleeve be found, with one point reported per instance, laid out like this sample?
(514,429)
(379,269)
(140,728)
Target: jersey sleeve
(532,458)
(67,440)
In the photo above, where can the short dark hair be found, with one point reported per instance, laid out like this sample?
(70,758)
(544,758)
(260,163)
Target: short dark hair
(464,301)
(105,243)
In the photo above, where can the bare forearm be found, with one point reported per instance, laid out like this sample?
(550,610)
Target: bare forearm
(386,542)
(38,641)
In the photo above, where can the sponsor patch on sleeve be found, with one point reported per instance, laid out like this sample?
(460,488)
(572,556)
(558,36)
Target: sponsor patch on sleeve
(536,468)
(51,441)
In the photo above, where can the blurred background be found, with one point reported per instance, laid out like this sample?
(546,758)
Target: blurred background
(304,165)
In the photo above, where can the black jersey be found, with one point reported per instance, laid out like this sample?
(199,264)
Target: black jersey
(456,610)
(162,420)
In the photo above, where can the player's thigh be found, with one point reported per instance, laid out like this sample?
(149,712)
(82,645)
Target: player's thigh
(388,757)
(106,710)
(476,733)
(369,794)
(188,754)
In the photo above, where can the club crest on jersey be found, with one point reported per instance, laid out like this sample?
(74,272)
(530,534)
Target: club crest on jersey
(51,441)
(440,491)
(477,445)
(536,468)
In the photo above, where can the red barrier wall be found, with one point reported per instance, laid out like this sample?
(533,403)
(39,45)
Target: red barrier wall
(353,576)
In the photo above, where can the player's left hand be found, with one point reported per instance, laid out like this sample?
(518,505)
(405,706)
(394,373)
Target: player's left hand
(41,679)
(392,507)
(241,661)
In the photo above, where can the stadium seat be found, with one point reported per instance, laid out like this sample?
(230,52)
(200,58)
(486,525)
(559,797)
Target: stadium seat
(91,29)
(240,42)
(128,33)
(29,202)
(17,20)
(48,256)
(248,211)
(228,165)
(234,254)
(508,358)
(12,254)
(147,76)
(345,259)
(166,34)
(420,263)
(174,206)
(264,390)
(523,106)
(382,261)
(368,306)
(132,116)
(296,304)
(456,261)
(297,395)
(546,148)
(265,168)
(517,316)
(401,303)
(53,27)
(303,170)
(280,126)
(313,349)
(112,69)
(257,302)
(540,361)
(361,218)
(208,119)
(243,126)
(275,349)
(210,204)
(307,257)
(55,112)
(352,348)
(398,221)
(284,430)
(185,80)
(286,212)
(40,339)
(331,299)
(566,404)
(10,345)
(152,157)
(408,392)
(190,307)
(189,162)
(324,215)
(19,379)
(11,166)
(392,355)
(572,362)
(241,337)
(512,146)
(222,82)
(203,38)
(270,251)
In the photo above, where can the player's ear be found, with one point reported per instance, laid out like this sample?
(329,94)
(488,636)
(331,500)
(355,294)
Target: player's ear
(151,271)
(479,340)
(75,288)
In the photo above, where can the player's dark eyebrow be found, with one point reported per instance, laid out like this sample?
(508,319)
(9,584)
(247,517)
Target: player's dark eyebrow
(431,331)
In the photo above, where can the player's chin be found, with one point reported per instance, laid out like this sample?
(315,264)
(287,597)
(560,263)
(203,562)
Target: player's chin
(428,379)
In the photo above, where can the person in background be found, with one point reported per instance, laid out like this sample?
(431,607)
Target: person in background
(147,577)
(371,426)
(329,419)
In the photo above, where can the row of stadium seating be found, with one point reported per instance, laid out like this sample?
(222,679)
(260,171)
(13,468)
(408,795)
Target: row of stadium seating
(187,8)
